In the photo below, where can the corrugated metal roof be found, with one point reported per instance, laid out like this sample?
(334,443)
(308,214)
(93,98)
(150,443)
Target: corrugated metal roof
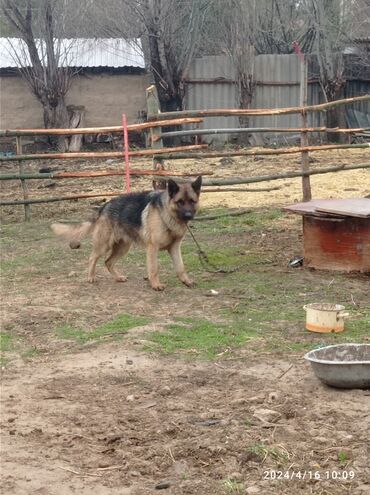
(80,52)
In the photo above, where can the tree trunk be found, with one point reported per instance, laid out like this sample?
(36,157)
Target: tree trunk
(171,105)
(75,120)
(245,100)
(168,86)
(335,117)
(57,117)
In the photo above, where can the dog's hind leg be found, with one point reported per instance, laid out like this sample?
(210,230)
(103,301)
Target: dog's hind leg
(95,255)
(119,249)
(102,244)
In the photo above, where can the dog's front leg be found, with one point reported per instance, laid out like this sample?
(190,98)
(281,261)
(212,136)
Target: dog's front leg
(175,253)
(152,267)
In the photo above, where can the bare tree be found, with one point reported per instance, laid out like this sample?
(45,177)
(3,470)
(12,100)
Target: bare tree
(42,55)
(328,20)
(171,31)
(235,28)
(246,28)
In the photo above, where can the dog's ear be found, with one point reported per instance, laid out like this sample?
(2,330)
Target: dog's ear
(173,188)
(197,184)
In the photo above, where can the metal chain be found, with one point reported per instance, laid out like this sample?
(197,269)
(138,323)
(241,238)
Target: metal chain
(206,263)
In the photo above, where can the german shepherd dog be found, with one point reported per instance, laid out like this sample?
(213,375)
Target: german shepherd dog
(156,219)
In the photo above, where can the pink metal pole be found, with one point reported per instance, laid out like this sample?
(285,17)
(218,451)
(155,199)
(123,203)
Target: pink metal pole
(125,148)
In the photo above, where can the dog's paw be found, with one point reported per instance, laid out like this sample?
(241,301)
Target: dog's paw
(91,280)
(189,283)
(158,287)
(121,278)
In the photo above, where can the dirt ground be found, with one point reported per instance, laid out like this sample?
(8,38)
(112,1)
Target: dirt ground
(110,419)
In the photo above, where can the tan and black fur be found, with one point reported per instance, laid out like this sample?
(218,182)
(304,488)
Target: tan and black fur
(156,219)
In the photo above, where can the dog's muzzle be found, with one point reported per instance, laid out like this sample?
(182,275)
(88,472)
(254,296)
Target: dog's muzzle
(187,215)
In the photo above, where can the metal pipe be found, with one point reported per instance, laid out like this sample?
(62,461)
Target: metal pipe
(258,152)
(238,130)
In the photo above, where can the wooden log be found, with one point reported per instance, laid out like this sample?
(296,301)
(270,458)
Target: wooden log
(126,146)
(76,118)
(287,175)
(74,197)
(100,173)
(98,130)
(102,154)
(153,108)
(27,207)
(305,164)
(221,112)
(238,189)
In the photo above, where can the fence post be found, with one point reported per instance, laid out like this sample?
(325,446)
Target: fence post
(153,109)
(305,162)
(27,207)
(125,152)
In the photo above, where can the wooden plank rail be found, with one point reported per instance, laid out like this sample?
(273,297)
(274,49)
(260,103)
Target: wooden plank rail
(102,154)
(171,153)
(209,182)
(101,173)
(286,175)
(97,130)
(222,112)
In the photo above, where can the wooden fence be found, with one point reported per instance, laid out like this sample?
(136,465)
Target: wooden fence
(158,120)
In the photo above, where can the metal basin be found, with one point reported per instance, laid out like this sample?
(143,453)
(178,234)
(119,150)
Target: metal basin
(342,365)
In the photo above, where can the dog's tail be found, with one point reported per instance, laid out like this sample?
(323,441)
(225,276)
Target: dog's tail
(73,233)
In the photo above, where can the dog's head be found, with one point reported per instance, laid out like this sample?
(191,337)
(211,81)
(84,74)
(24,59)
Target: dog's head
(184,198)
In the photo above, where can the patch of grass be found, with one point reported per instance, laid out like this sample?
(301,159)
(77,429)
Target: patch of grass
(355,330)
(343,457)
(271,303)
(263,452)
(231,486)
(17,263)
(260,304)
(226,257)
(6,342)
(31,352)
(71,333)
(248,422)
(251,221)
(199,338)
(3,361)
(114,329)
(301,346)
(10,345)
